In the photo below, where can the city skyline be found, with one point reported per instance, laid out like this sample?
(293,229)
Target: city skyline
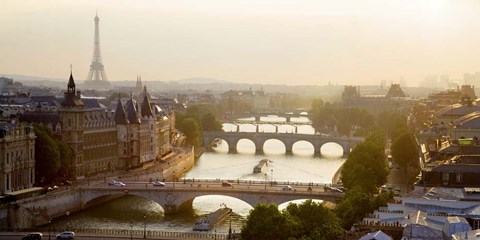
(262,42)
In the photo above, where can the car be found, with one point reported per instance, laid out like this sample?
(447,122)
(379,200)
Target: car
(119,184)
(111,182)
(158,184)
(287,188)
(33,236)
(66,235)
(226,184)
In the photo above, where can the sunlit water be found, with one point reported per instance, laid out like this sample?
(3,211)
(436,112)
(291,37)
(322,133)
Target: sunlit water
(301,166)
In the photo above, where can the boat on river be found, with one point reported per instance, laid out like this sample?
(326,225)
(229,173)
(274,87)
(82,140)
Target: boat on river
(207,223)
(261,165)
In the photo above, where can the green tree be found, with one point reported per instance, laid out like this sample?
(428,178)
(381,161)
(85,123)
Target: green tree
(66,161)
(353,207)
(404,152)
(210,123)
(266,222)
(47,155)
(315,221)
(357,203)
(191,129)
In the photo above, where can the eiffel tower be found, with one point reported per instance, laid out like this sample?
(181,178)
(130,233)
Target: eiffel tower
(97,78)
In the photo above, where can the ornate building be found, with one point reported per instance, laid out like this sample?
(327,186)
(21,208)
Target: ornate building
(17,157)
(143,132)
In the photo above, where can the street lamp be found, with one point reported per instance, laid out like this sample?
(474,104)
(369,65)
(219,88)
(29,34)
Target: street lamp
(68,223)
(271,182)
(145,226)
(173,180)
(131,230)
(49,221)
(266,181)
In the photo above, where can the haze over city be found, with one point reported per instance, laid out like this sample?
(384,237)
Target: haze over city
(266,42)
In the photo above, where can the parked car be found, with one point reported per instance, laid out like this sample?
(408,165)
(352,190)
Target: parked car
(119,184)
(226,184)
(66,235)
(287,188)
(158,184)
(111,182)
(33,236)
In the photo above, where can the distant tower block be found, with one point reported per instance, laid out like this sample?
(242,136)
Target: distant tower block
(97,78)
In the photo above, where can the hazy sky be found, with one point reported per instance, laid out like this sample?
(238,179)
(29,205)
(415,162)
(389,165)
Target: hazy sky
(250,41)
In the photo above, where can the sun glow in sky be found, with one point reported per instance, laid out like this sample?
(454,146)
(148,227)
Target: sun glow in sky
(251,41)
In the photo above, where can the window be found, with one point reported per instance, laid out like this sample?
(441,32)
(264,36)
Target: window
(7,181)
(69,122)
(8,158)
(458,177)
(445,178)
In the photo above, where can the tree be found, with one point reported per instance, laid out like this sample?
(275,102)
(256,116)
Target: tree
(210,123)
(47,155)
(404,152)
(365,166)
(266,222)
(353,207)
(191,129)
(66,160)
(315,221)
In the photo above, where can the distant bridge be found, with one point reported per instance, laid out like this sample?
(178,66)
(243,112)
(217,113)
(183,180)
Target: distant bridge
(257,116)
(257,124)
(288,139)
(177,196)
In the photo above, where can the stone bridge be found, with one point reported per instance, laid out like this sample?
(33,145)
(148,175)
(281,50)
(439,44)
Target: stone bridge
(173,197)
(257,116)
(180,196)
(288,139)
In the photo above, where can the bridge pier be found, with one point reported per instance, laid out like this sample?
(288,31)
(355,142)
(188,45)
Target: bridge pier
(287,119)
(296,129)
(257,118)
(276,128)
(258,127)
(232,149)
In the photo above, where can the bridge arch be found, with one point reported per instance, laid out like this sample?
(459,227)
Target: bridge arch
(246,145)
(345,148)
(301,142)
(261,144)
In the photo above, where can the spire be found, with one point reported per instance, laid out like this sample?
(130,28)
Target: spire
(146,107)
(132,111)
(120,115)
(71,82)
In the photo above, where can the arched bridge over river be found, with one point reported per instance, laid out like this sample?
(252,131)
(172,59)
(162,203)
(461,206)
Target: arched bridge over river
(176,196)
(288,139)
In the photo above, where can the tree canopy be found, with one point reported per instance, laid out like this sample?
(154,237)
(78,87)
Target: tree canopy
(308,220)
(53,158)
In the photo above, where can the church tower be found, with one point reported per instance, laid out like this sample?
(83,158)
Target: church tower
(71,115)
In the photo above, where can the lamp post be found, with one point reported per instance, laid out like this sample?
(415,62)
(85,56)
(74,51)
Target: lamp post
(68,223)
(173,180)
(131,230)
(49,221)
(145,226)
(266,181)
(271,182)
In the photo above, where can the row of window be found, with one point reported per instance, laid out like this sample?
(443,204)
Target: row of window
(10,157)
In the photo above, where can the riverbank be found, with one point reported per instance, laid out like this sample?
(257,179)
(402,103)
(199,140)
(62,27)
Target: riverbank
(338,174)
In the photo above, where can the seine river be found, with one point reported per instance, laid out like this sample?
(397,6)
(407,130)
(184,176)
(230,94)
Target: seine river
(301,166)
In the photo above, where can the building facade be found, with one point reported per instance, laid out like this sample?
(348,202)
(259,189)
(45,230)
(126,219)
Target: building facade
(17,157)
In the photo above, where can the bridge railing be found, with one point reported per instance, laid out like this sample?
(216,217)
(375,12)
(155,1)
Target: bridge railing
(52,231)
